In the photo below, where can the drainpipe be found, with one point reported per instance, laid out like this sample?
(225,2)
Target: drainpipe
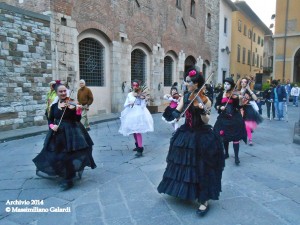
(285,33)
(251,55)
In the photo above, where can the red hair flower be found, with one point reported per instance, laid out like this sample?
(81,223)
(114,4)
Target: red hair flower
(221,132)
(192,73)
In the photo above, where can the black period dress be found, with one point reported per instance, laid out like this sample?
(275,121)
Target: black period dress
(230,124)
(68,150)
(195,160)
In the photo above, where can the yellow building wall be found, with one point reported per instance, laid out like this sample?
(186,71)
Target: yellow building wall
(239,69)
(292,39)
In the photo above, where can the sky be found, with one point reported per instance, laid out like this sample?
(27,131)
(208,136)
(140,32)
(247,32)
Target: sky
(264,9)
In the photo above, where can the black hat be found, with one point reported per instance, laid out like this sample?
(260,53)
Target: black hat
(229,80)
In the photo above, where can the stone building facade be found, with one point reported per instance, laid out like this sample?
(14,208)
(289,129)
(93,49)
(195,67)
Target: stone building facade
(111,42)
(25,67)
(287,41)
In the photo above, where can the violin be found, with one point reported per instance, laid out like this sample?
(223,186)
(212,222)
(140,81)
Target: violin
(232,94)
(176,96)
(200,98)
(67,102)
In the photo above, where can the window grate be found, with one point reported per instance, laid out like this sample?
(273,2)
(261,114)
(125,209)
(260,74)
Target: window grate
(138,65)
(91,62)
(168,71)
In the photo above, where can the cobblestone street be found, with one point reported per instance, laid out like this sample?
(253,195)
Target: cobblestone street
(264,189)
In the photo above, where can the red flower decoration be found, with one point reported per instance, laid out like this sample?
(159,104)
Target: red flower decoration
(221,132)
(57,82)
(192,73)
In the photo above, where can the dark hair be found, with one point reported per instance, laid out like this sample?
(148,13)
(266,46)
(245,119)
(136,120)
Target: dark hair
(57,84)
(229,80)
(197,78)
(275,82)
(173,88)
(135,81)
(175,84)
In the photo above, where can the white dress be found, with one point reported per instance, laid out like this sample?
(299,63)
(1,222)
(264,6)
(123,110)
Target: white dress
(135,118)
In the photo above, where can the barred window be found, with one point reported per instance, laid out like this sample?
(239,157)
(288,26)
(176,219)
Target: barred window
(138,65)
(168,71)
(91,62)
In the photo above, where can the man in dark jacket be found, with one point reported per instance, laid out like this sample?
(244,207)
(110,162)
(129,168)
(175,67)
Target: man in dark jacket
(278,96)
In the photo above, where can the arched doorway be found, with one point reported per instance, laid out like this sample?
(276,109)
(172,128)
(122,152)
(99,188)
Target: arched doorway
(189,62)
(296,77)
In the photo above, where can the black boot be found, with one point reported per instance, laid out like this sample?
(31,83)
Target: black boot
(139,151)
(236,148)
(136,147)
(226,146)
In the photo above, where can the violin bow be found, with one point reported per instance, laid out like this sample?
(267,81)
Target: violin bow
(210,75)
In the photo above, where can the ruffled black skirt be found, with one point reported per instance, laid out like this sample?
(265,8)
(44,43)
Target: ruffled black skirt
(66,151)
(167,115)
(231,127)
(250,114)
(195,164)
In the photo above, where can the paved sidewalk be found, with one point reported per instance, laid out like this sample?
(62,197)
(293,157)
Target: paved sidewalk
(36,130)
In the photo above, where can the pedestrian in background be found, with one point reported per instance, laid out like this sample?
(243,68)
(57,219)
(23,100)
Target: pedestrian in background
(195,159)
(210,92)
(260,101)
(270,105)
(85,98)
(288,88)
(50,98)
(295,93)
(278,96)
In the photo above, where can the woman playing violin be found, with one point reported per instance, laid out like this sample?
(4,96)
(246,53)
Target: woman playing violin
(174,99)
(136,118)
(230,125)
(68,146)
(249,107)
(195,160)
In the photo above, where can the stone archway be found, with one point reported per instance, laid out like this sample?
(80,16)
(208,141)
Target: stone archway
(296,77)
(190,61)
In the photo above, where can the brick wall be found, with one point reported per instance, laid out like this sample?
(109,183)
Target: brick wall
(25,67)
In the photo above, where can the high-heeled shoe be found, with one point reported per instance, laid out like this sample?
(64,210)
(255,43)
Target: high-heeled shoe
(237,161)
(250,143)
(204,209)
